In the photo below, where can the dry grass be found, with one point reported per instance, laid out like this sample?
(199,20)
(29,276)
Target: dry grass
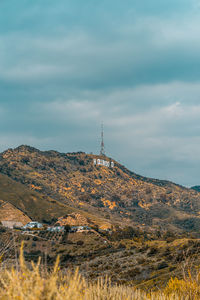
(35,284)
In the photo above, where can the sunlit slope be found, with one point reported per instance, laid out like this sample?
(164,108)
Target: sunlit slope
(19,203)
(32,204)
(8,212)
(115,193)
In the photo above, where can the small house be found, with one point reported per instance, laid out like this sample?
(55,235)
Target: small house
(32,225)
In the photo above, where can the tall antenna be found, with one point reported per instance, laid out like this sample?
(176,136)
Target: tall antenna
(102,151)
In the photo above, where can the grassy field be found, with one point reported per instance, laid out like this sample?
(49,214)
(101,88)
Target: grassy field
(36,283)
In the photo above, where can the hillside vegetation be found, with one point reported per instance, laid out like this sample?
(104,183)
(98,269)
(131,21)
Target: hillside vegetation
(36,283)
(130,258)
(114,193)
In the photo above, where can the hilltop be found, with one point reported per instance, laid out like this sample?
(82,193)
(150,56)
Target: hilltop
(117,194)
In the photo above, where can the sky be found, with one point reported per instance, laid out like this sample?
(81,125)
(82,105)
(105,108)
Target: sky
(66,66)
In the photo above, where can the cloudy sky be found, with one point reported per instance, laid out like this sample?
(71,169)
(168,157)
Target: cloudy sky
(68,65)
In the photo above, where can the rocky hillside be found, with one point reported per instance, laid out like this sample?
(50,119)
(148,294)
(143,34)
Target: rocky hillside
(113,193)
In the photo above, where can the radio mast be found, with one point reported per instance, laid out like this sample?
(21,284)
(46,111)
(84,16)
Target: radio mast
(102,151)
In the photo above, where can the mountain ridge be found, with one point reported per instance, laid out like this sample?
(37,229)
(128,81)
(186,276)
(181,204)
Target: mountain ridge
(156,181)
(117,194)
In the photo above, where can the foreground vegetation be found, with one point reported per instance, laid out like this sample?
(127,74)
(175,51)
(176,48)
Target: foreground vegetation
(147,265)
(36,283)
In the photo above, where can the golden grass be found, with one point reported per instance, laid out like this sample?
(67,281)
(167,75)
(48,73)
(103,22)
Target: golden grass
(35,284)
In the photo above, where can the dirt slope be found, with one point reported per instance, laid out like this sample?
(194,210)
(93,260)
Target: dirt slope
(10,213)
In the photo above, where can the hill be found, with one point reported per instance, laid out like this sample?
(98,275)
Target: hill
(19,203)
(196,188)
(117,194)
(31,203)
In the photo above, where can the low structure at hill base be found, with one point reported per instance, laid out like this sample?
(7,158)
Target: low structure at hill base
(31,225)
(80,228)
(11,224)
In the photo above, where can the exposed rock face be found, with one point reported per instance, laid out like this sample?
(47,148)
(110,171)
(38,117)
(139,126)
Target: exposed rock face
(113,193)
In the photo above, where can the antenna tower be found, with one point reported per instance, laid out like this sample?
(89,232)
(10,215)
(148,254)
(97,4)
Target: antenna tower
(102,151)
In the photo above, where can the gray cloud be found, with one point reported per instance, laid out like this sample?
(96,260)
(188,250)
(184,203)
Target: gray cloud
(66,66)
(150,50)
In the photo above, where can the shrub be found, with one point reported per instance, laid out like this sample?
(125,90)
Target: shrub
(2,229)
(80,243)
(184,289)
(162,265)
(69,242)
(133,272)
(152,251)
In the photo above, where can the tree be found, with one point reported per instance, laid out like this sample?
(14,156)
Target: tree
(67,228)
